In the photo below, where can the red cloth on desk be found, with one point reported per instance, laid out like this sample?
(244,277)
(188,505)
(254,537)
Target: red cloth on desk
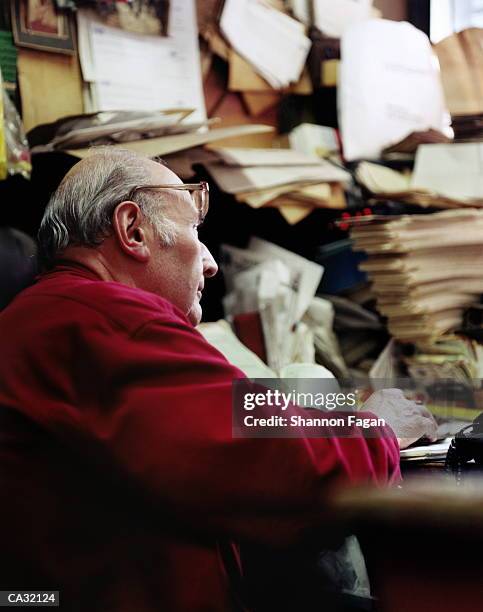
(126,487)
(248,328)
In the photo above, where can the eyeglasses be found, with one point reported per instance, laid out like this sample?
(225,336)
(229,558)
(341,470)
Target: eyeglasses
(200,194)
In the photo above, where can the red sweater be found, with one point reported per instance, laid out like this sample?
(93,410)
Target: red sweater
(121,482)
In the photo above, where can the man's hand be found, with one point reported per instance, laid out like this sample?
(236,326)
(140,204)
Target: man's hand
(409,420)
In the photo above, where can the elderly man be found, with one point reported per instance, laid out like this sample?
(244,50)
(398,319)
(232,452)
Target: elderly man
(121,482)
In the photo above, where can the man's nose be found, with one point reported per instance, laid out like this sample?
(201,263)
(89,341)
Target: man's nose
(210,267)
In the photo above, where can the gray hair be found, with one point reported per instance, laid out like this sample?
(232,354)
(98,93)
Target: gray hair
(80,211)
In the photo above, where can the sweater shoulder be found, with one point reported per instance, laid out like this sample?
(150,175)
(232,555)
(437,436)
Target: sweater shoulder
(78,299)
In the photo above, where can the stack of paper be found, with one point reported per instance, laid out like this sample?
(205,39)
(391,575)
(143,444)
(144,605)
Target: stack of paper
(292,181)
(445,176)
(111,127)
(272,42)
(164,145)
(263,48)
(454,358)
(425,269)
(430,452)
(128,71)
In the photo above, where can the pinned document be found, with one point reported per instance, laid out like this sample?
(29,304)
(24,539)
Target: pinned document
(389,87)
(128,71)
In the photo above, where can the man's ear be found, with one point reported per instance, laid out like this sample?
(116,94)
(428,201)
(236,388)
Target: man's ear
(129,226)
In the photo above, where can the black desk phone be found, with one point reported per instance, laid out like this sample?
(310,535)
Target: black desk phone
(465,447)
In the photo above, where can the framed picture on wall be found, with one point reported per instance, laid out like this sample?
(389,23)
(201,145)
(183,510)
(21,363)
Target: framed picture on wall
(36,24)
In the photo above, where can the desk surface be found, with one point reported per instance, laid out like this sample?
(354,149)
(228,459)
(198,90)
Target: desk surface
(421,542)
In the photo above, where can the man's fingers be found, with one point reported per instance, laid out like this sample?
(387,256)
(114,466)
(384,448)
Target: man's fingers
(418,427)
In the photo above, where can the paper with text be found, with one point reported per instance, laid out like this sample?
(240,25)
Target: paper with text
(310,273)
(129,71)
(389,87)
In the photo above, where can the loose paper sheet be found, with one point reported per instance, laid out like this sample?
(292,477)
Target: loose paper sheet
(313,139)
(130,71)
(453,170)
(310,272)
(333,18)
(237,180)
(301,10)
(274,43)
(390,86)
(221,336)
(232,156)
(171,144)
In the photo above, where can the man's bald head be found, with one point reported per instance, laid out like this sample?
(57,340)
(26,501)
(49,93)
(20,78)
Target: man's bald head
(80,211)
(108,155)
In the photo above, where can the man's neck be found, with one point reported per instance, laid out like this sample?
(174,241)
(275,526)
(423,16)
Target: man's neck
(94,261)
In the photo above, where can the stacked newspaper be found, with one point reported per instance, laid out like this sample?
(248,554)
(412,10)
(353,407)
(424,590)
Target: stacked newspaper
(425,270)
(294,182)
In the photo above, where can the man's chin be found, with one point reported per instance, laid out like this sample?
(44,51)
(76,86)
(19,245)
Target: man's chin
(194,315)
